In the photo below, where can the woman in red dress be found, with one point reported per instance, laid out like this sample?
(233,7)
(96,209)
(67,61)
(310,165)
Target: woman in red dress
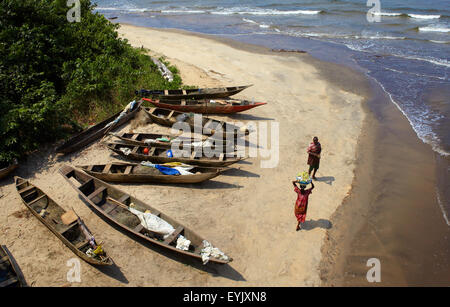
(301,205)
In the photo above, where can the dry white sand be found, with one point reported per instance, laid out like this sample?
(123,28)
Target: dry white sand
(248,213)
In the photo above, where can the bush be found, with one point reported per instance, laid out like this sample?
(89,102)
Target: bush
(54,73)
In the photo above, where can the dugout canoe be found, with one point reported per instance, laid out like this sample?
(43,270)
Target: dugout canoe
(159,155)
(206,106)
(196,93)
(7,169)
(135,173)
(113,204)
(52,216)
(196,122)
(151,139)
(9,271)
(95,132)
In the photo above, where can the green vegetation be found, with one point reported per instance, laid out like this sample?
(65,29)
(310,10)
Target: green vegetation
(56,76)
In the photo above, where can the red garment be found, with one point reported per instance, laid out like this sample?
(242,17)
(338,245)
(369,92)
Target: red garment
(301,205)
(317,149)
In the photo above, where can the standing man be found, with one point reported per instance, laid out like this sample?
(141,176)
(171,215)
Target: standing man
(301,205)
(314,150)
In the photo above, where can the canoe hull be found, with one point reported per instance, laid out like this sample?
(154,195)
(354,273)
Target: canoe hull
(5,172)
(164,159)
(203,126)
(200,93)
(60,236)
(67,172)
(206,109)
(93,133)
(146,178)
(10,271)
(181,142)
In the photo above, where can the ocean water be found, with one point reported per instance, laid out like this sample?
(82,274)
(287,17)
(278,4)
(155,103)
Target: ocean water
(407,51)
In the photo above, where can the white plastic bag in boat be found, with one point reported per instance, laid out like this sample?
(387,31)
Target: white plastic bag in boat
(126,151)
(210,251)
(183,243)
(129,107)
(184,170)
(149,141)
(153,223)
(147,163)
(206,143)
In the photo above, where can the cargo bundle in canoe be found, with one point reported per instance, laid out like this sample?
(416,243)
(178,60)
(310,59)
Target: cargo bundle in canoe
(9,272)
(8,168)
(196,93)
(154,140)
(65,225)
(206,106)
(137,173)
(160,155)
(115,206)
(202,124)
(96,132)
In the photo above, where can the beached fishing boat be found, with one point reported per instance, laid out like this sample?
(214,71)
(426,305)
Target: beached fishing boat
(131,214)
(97,131)
(196,122)
(138,173)
(8,168)
(196,93)
(9,272)
(162,155)
(66,225)
(167,140)
(206,106)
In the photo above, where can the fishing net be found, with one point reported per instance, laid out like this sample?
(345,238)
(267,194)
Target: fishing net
(127,218)
(145,170)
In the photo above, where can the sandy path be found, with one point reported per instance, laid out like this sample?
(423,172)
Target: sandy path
(247,213)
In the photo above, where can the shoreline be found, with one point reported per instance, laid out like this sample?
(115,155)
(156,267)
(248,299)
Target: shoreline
(342,77)
(256,229)
(360,208)
(392,220)
(382,118)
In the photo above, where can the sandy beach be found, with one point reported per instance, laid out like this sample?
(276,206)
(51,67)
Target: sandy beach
(248,212)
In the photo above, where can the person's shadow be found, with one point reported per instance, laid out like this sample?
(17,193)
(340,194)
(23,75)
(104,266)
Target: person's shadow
(327,179)
(320,223)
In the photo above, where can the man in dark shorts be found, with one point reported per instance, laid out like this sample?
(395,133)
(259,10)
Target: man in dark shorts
(314,150)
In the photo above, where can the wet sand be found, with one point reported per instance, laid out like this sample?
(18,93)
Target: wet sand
(392,213)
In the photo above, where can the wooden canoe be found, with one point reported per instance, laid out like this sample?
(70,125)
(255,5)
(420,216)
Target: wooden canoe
(206,106)
(51,214)
(143,139)
(197,93)
(202,124)
(8,169)
(95,132)
(159,155)
(127,172)
(9,272)
(113,205)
